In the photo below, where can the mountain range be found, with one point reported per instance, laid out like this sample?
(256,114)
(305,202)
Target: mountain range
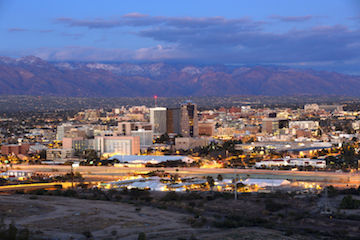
(33,76)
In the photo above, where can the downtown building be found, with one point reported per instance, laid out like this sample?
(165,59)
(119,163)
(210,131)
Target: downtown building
(189,119)
(158,120)
(126,145)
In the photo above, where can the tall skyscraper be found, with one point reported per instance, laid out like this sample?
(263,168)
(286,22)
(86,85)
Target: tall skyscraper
(173,116)
(158,120)
(189,119)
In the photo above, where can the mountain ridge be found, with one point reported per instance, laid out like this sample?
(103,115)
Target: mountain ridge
(33,76)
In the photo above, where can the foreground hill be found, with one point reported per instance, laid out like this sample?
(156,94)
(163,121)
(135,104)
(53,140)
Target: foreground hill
(33,76)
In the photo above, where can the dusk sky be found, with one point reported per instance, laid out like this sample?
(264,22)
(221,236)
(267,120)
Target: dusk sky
(323,35)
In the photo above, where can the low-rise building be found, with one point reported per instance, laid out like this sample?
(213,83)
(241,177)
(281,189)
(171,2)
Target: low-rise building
(187,143)
(294,162)
(59,154)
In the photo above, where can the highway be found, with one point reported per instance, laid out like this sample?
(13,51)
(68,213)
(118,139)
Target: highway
(104,173)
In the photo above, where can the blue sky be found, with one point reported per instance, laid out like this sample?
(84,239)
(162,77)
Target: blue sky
(323,35)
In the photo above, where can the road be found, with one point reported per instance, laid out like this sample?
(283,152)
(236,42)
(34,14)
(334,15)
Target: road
(104,173)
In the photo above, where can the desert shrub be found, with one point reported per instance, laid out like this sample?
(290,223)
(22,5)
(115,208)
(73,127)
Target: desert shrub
(56,192)
(349,203)
(289,232)
(40,192)
(118,197)
(234,221)
(142,236)
(137,193)
(87,234)
(350,191)
(162,207)
(192,204)
(189,209)
(223,195)
(209,198)
(69,193)
(272,206)
(192,196)
(146,199)
(170,196)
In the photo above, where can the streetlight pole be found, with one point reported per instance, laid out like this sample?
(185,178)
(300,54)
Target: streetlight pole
(315,181)
(72,176)
(235,194)
(272,181)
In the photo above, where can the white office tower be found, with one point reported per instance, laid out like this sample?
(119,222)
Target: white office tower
(158,120)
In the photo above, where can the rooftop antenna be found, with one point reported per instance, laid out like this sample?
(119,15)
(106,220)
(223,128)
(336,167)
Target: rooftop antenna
(155,97)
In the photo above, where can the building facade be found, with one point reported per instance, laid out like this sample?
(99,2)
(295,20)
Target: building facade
(189,119)
(173,116)
(158,120)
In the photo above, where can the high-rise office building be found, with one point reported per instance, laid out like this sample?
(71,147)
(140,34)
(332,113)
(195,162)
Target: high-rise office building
(158,120)
(189,119)
(173,116)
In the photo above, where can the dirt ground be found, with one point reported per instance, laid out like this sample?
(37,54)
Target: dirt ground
(63,218)
(54,217)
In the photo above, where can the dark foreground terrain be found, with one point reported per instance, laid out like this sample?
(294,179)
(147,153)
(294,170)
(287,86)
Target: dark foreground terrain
(118,214)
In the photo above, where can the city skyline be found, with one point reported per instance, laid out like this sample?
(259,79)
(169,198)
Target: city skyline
(319,35)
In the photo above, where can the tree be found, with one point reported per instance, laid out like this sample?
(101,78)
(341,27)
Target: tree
(210,181)
(349,203)
(163,138)
(142,236)
(219,178)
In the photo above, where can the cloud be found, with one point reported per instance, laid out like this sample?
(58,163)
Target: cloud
(141,20)
(26,30)
(103,39)
(295,18)
(75,36)
(74,53)
(135,15)
(215,40)
(46,31)
(17,29)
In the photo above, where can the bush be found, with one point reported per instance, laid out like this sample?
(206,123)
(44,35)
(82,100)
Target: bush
(234,221)
(192,204)
(192,196)
(40,191)
(209,198)
(217,216)
(223,195)
(349,203)
(147,199)
(136,193)
(171,196)
(189,209)
(118,198)
(289,232)
(162,207)
(272,206)
(142,236)
(87,234)
(70,193)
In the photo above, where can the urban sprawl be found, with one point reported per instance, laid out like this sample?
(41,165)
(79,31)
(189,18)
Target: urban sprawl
(186,155)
